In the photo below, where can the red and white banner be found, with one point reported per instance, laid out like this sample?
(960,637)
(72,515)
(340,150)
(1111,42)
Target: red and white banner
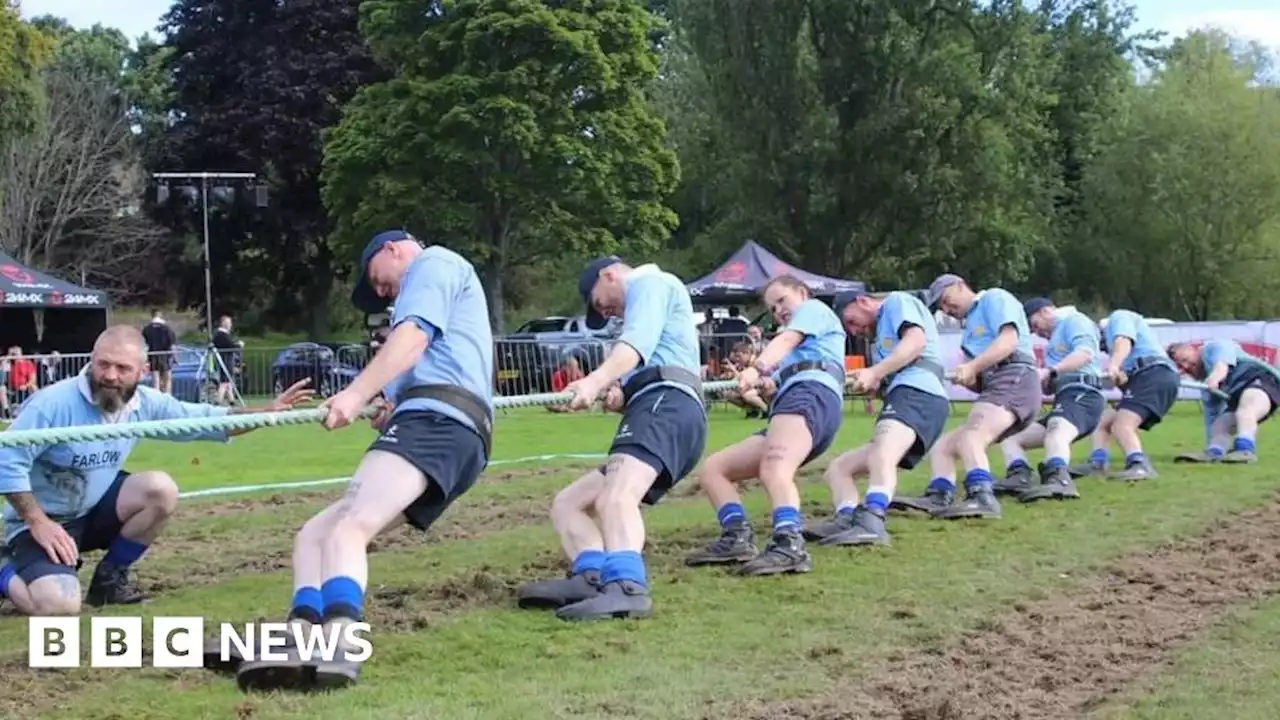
(1259,338)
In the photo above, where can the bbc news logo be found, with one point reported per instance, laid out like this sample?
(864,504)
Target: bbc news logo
(178,642)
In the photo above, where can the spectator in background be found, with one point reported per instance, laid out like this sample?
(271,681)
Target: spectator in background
(51,368)
(569,371)
(23,378)
(160,340)
(4,387)
(753,401)
(228,348)
(755,336)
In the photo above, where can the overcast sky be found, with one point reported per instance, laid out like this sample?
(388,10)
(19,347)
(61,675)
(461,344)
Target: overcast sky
(1254,19)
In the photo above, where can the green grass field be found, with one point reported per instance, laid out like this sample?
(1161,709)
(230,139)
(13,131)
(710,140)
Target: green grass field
(1151,600)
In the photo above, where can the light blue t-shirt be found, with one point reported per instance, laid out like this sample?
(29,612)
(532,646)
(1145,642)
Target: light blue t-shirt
(991,312)
(1129,324)
(68,479)
(1071,333)
(441,294)
(658,324)
(899,311)
(823,342)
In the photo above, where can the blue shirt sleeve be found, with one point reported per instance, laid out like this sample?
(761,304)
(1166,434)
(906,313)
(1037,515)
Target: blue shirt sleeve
(810,319)
(1122,325)
(167,407)
(647,300)
(899,314)
(1079,332)
(16,462)
(428,292)
(1001,309)
(1217,351)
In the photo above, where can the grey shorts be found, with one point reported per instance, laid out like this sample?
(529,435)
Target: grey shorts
(1015,388)
(1080,406)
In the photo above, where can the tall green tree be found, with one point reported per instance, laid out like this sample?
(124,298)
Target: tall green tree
(253,85)
(515,131)
(1183,199)
(22,51)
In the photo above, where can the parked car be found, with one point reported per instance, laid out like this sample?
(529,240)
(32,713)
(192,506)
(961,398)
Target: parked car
(526,358)
(331,366)
(192,381)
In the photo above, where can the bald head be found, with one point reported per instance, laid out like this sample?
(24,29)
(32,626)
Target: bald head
(116,367)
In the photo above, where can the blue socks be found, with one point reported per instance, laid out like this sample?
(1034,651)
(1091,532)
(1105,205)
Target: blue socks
(1135,458)
(977,478)
(1099,458)
(786,517)
(1054,463)
(6,575)
(624,565)
(342,597)
(589,560)
(1018,464)
(1216,451)
(942,485)
(308,604)
(123,552)
(1244,444)
(730,514)
(877,502)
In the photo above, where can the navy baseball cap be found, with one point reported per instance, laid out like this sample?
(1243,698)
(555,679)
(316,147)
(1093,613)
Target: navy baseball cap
(1035,305)
(939,286)
(587,283)
(363,296)
(845,299)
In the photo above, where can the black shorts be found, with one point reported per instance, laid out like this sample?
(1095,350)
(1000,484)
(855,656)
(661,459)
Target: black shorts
(925,413)
(1150,394)
(160,361)
(450,455)
(821,408)
(1263,380)
(94,530)
(1080,406)
(666,429)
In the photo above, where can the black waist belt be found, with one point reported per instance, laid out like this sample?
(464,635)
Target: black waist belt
(661,373)
(1076,378)
(1149,361)
(1017,358)
(831,369)
(464,401)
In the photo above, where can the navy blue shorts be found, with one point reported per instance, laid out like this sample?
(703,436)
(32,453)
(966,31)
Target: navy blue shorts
(450,454)
(925,413)
(822,410)
(1150,394)
(666,429)
(1262,380)
(1079,406)
(93,531)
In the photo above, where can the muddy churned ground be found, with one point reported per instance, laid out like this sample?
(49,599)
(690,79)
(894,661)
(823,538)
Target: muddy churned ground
(1064,656)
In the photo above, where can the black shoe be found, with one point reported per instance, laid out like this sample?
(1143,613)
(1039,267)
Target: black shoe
(618,600)
(867,529)
(840,522)
(785,553)
(979,502)
(553,594)
(735,545)
(113,585)
(931,502)
(1017,480)
(1055,484)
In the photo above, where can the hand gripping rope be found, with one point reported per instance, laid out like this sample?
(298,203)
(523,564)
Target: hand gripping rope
(250,421)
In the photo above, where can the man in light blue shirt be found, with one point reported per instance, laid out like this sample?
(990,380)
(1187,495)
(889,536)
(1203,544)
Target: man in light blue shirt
(432,383)
(806,363)
(1000,367)
(1149,384)
(1243,392)
(906,368)
(1072,376)
(653,376)
(68,497)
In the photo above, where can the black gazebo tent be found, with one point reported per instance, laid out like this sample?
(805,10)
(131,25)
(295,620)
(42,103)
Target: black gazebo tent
(72,316)
(748,270)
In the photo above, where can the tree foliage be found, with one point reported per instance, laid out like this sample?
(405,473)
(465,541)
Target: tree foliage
(514,131)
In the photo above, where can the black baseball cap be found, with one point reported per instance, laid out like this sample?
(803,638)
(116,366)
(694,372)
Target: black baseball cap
(587,283)
(1035,305)
(845,299)
(363,296)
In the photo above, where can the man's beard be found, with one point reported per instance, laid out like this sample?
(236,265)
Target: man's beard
(111,398)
